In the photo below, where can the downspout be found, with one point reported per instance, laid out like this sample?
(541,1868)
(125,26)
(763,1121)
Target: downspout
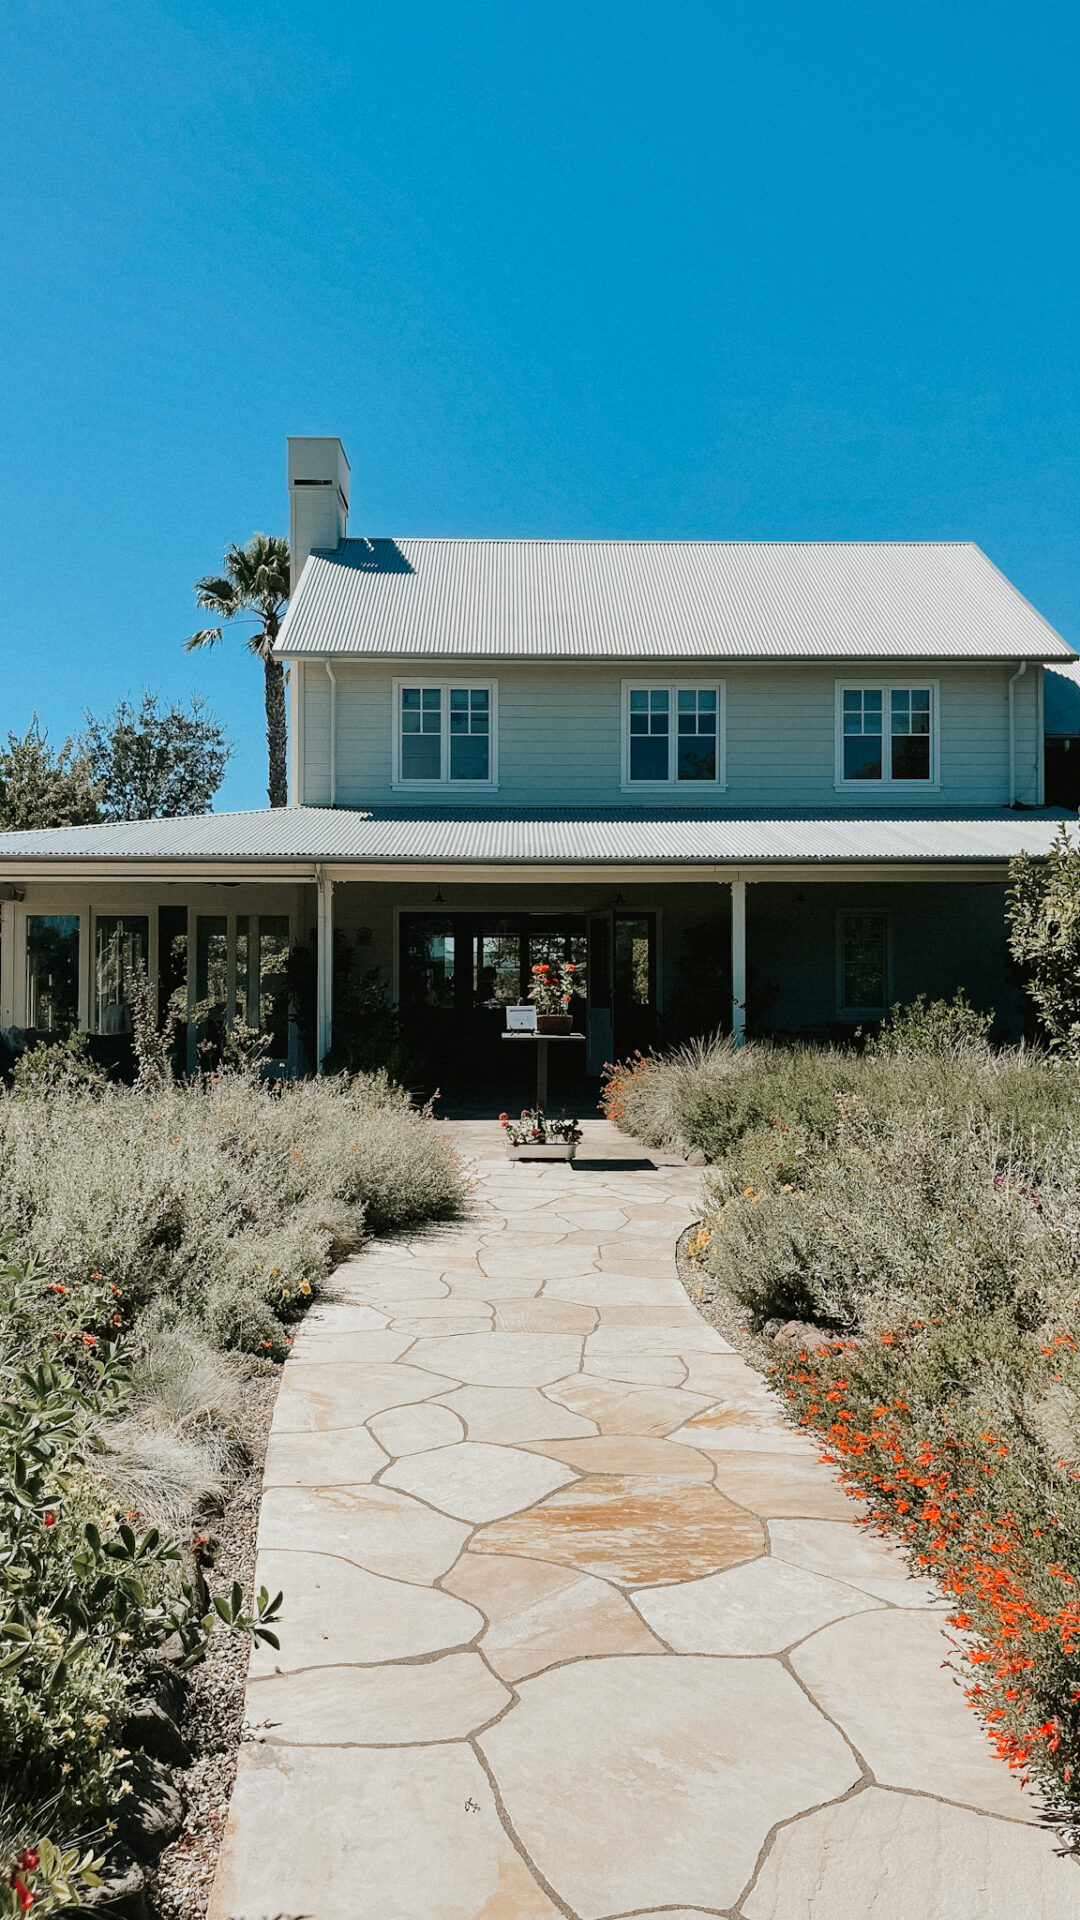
(1021,670)
(333,731)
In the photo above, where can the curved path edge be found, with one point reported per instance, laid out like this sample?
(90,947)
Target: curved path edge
(575,1622)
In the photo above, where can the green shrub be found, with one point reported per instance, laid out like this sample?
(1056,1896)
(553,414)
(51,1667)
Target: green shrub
(932,1026)
(57,1063)
(85,1604)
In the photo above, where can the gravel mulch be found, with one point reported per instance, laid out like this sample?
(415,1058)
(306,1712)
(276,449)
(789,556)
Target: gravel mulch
(214,1710)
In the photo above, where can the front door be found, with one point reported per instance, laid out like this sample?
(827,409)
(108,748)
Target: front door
(633,974)
(620,986)
(600,993)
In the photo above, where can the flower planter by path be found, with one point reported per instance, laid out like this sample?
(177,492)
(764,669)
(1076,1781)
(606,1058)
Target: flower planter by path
(543,1150)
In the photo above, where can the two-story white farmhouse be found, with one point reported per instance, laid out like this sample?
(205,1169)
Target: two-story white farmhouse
(764,784)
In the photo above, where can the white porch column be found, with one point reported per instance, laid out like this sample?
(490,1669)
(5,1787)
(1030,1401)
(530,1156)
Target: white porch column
(738,963)
(324,1009)
(7,963)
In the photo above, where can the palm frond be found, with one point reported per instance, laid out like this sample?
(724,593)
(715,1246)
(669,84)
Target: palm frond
(209,637)
(218,595)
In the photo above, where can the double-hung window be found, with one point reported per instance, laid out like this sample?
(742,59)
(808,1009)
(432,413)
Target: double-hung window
(886,735)
(673,734)
(444,733)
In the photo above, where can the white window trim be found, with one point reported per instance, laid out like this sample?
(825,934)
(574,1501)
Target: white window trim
(446,785)
(913,790)
(862,1013)
(683,788)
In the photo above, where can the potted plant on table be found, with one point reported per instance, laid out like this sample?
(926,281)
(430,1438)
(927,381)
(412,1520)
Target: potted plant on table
(535,1137)
(552,990)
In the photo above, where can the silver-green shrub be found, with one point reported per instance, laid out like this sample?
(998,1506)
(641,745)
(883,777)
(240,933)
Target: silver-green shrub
(227,1198)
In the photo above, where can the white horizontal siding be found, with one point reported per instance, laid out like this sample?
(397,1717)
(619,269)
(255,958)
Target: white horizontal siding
(560,738)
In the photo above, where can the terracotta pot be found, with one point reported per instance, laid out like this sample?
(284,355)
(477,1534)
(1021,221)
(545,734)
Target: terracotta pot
(554,1023)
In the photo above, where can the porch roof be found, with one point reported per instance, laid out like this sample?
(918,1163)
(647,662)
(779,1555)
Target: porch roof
(291,842)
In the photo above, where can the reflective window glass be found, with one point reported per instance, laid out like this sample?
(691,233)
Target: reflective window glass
(863,962)
(52,972)
(273,1002)
(421,733)
(121,946)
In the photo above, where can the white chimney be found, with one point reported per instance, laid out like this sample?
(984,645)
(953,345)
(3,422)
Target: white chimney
(318,498)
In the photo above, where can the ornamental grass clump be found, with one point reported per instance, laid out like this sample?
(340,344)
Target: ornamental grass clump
(225,1200)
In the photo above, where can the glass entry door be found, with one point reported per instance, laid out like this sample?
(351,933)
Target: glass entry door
(600,993)
(621,986)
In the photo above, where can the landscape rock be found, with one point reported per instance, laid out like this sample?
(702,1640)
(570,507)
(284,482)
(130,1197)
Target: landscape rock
(122,1893)
(803,1333)
(150,1729)
(151,1815)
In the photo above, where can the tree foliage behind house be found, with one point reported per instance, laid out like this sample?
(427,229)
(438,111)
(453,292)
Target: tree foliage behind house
(154,762)
(40,788)
(1044,936)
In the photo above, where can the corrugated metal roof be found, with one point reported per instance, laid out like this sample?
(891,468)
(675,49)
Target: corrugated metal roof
(662,599)
(305,835)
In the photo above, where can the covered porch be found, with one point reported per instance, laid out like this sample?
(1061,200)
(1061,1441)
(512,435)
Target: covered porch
(791,927)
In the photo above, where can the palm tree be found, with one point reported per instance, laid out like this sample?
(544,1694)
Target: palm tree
(255,586)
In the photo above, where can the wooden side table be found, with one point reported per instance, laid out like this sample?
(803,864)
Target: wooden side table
(542,1041)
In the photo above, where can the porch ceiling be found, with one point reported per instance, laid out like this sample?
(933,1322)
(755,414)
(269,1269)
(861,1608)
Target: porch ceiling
(289,844)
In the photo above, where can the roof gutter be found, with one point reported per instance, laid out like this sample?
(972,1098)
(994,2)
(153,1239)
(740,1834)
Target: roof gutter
(616,657)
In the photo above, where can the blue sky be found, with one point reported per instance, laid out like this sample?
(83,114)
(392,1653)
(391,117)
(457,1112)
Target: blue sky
(705,270)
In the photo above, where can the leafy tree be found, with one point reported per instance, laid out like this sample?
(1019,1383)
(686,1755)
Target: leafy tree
(40,788)
(152,763)
(1044,936)
(255,586)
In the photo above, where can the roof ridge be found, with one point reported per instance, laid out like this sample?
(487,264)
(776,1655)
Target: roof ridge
(613,540)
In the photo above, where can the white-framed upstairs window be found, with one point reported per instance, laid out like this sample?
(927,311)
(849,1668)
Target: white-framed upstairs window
(887,737)
(673,736)
(445,734)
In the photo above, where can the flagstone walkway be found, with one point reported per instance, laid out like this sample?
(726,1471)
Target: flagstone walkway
(575,1623)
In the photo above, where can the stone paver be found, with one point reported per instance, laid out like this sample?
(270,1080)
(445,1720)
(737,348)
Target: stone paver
(638,1782)
(897,1857)
(476,1481)
(385,1706)
(575,1623)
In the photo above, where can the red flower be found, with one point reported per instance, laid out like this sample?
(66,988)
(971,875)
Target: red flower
(26,1898)
(50,1519)
(89,1340)
(27,1861)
